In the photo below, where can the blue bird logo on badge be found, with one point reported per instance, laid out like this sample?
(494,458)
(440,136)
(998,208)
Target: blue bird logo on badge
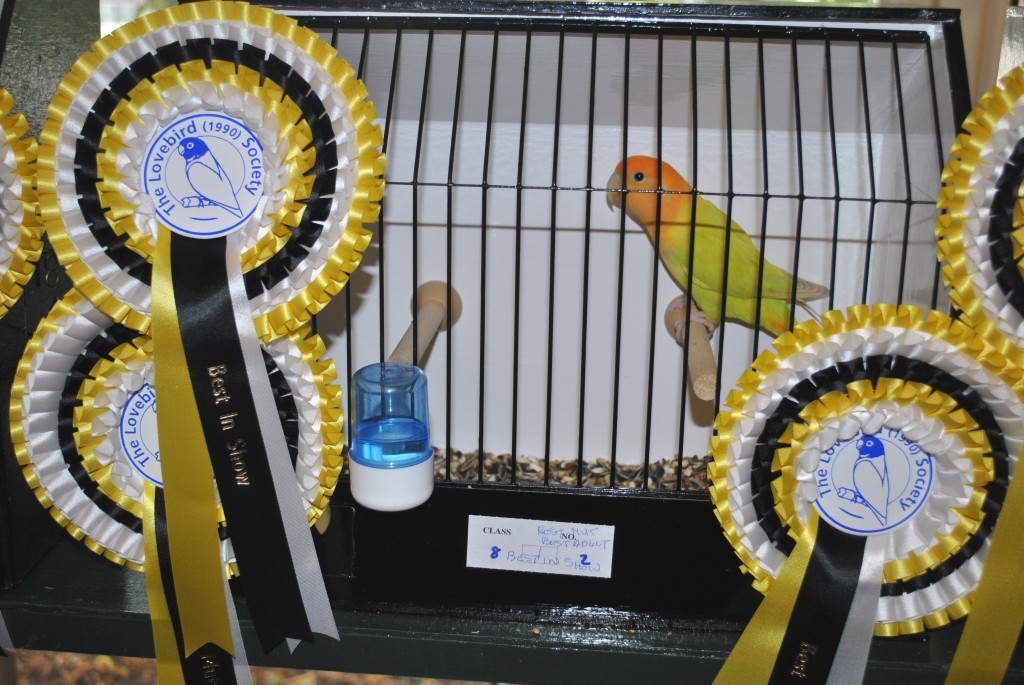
(873,483)
(137,429)
(204,173)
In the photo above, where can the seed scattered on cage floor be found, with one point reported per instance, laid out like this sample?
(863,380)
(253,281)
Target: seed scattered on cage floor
(687,474)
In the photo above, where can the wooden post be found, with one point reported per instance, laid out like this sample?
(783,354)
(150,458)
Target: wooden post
(431,314)
(703,371)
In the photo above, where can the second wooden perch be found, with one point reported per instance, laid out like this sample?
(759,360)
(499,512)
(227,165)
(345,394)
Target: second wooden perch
(431,314)
(703,371)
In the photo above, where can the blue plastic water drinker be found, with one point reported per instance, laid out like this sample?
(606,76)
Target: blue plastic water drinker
(391,463)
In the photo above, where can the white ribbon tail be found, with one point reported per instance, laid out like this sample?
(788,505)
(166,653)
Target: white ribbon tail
(6,643)
(289,496)
(852,655)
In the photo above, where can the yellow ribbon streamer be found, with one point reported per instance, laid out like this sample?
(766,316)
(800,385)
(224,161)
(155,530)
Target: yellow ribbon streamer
(997,606)
(189,493)
(753,658)
(168,664)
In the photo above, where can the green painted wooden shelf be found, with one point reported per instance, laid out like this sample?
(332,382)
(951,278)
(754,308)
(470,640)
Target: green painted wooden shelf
(75,601)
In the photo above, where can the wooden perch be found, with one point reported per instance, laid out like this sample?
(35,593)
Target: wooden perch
(431,314)
(703,370)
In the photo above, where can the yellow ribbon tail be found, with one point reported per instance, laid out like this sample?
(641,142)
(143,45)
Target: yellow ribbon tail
(168,663)
(190,496)
(753,658)
(997,606)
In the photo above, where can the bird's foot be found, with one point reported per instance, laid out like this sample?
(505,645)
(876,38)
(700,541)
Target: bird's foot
(678,313)
(194,201)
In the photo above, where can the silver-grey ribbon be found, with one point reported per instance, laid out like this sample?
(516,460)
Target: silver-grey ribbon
(289,496)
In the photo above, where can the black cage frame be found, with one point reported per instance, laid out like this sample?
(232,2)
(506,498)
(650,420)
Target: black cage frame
(367,554)
(413,563)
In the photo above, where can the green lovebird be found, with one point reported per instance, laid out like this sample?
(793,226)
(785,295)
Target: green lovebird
(677,216)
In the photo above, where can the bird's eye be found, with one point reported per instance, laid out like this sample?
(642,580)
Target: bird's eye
(639,177)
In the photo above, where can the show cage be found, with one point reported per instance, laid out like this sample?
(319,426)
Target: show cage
(559,395)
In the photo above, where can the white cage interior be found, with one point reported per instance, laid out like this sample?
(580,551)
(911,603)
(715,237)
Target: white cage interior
(499,146)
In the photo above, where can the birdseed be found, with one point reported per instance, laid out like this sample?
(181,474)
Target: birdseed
(688,473)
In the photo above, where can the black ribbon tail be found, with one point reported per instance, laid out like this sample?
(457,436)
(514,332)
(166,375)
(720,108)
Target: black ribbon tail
(213,352)
(821,609)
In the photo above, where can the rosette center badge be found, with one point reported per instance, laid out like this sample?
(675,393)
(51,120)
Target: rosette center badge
(872,483)
(138,433)
(204,174)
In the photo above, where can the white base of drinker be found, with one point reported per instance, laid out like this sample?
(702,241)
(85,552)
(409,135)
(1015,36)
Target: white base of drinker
(391,489)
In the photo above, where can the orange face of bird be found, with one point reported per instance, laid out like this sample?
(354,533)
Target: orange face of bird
(647,190)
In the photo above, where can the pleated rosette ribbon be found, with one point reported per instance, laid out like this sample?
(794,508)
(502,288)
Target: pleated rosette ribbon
(859,472)
(207,174)
(980,243)
(83,420)
(20,229)
(110,149)
(981,230)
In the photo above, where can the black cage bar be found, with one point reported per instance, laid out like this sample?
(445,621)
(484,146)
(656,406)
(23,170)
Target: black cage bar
(426,102)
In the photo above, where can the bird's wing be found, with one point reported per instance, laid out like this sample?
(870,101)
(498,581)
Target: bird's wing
(872,486)
(745,261)
(744,257)
(211,182)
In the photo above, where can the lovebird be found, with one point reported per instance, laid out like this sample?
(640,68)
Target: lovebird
(677,216)
(207,177)
(871,476)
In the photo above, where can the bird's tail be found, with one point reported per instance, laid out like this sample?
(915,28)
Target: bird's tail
(808,291)
(807,308)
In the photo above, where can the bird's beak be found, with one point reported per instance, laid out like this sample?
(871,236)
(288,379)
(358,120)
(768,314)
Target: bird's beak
(614,191)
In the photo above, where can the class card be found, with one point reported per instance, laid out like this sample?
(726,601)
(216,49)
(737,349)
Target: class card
(513,544)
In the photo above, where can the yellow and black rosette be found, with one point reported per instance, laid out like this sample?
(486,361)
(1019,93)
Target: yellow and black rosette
(83,413)
(20,230)
(859,472)
(980,230)
(207,174)
(980,243)
(286,156)
(83,420)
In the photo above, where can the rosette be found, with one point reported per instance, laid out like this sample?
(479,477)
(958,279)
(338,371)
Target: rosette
(859,472)
(83,420)
(211,169)
(981,228)
(280,115)
(83,417)
(980,246)
(20,241)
